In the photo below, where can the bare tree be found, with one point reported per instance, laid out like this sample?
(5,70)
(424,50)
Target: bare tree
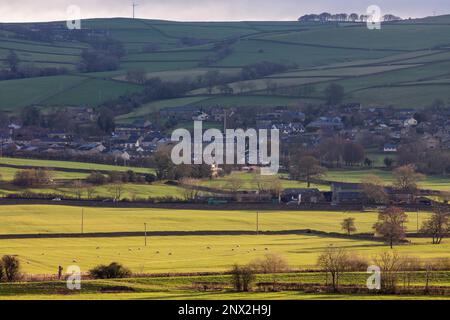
(234,184)
(374,189)
(406,178)
(334,261)
(90,191)
(78,188)
(116,191)
(307,168)
(390,264)
(348,225)
(11,267)
(391,225)
(242,278)
(438,226)
(190,190)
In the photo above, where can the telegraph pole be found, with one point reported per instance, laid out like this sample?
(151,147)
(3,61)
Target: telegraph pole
(257,222)
(82,220)
(145,234)
(417,220)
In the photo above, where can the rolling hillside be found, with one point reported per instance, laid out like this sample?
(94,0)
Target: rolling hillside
(405,64)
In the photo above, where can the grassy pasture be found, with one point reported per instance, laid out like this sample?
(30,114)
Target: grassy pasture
(22,92)
(7,174)
(32,219)
(431,182)
(69,164)
(176,288)
(191,253)
(390,37)
(249,183)
(256,50)
(91,91)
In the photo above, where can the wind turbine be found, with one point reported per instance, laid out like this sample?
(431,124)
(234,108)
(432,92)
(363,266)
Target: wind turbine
(134,6)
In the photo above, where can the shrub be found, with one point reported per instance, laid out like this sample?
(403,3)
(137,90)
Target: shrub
(356,263)
(2,273)
(96,178)
(11,268)
(32,178)
(112,271)
(271,263)
(242,278)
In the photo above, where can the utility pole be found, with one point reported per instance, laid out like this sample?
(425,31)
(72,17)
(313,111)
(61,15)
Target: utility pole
(82,220)
(145,234)
(417,220)
(134,6)
(257,222)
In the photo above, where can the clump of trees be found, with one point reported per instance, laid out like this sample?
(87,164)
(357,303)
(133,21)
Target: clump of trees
(343,17)
(16,70)
(166,170)
(9,269)
(334,152)
(33,178)
(112,271)
(104,55)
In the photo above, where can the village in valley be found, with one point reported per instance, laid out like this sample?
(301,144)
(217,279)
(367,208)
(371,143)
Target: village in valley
(90,189)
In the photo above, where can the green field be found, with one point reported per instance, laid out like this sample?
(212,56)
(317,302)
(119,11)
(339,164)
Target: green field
(174,288)
(68,164)
(376,68)
(42,219)
(191,253)
(356,176)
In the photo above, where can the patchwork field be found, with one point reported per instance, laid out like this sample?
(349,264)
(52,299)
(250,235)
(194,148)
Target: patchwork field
(374,67)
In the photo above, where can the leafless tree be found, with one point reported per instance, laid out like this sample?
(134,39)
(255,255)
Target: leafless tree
(390,264)
(333,261)
(406,178)
(391,225)
(438,226)
(374,189)
(348,225)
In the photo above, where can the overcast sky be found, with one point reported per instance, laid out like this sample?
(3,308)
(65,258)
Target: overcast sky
(210,10)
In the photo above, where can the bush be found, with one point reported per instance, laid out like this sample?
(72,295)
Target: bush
(113,271)
(150,178)
(32,178)
(2,271)
(96,178)
(357,263)
(271,263)
(11,268)
(242,278)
